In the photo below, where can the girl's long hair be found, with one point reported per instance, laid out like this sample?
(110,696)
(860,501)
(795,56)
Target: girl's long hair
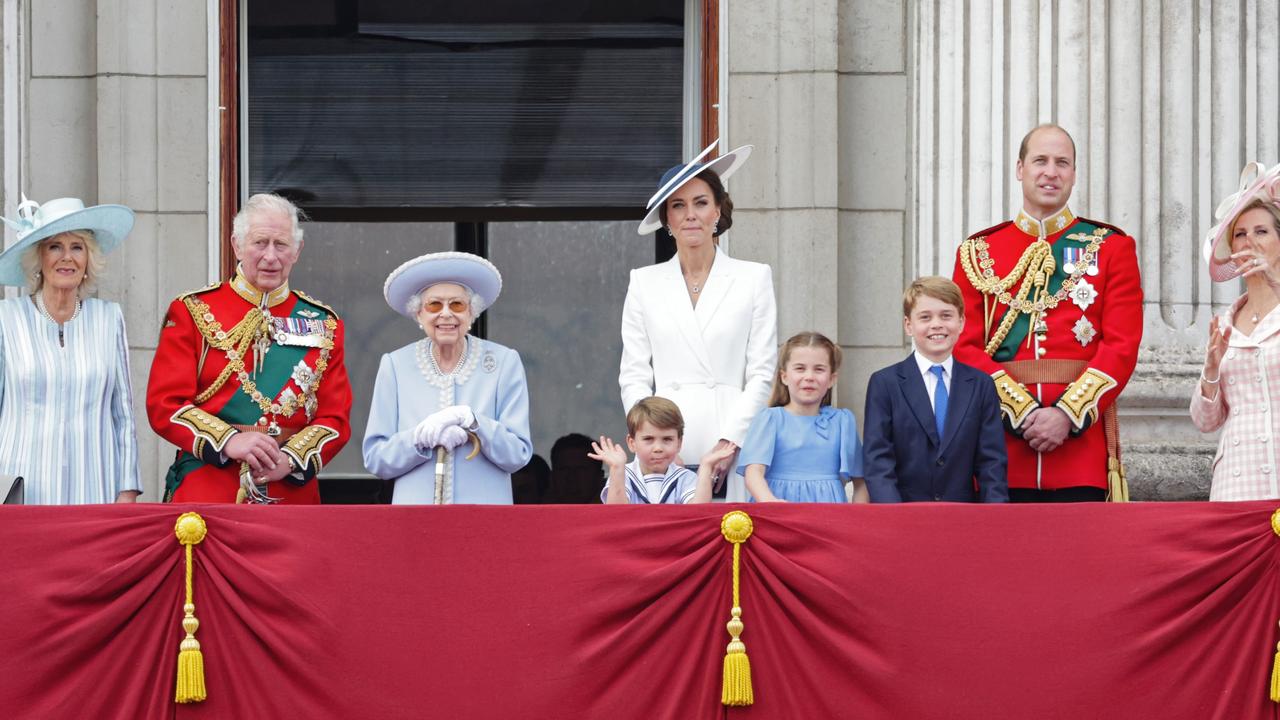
(780,395)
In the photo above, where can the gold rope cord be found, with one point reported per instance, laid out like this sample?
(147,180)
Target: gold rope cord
(735,689)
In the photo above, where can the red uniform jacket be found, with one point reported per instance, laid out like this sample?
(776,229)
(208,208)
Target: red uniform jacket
(301,380)
(1090,316)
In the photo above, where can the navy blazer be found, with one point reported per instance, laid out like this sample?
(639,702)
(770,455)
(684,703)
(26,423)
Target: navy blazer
(903,458)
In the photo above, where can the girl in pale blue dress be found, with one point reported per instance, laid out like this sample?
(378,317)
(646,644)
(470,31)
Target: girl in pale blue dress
(800,449)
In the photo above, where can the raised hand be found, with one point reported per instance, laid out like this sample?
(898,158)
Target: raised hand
(1219,340)
(608,452)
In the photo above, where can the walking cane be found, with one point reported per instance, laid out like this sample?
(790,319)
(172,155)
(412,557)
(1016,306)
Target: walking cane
(442,457)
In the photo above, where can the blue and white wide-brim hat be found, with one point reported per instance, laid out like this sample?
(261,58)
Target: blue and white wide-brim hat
(471,271)
(675,178)
(109,224)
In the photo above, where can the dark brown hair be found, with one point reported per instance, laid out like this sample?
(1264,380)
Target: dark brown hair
(718,194)
(780,395)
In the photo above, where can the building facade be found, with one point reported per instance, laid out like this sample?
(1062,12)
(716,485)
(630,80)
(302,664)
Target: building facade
(885,131)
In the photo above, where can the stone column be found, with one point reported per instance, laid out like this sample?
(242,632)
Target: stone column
(1166,101)
(781,97)
(821,88)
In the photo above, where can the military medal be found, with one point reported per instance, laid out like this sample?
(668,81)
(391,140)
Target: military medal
(1084,331)
(1083,294)
(1070,256)
(295,331)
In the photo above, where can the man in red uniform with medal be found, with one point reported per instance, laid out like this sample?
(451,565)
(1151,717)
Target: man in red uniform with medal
(248,378)
(1054,314)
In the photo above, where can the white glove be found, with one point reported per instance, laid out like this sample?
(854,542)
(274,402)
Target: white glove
(459,415)
(451,437)
(428,432)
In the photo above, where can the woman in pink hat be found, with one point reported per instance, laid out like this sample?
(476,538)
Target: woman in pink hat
(1239,389)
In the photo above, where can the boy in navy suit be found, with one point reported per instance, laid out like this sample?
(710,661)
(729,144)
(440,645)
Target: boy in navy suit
(932,428)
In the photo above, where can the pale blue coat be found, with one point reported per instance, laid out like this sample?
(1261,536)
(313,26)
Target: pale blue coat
(491,382)
(66,412)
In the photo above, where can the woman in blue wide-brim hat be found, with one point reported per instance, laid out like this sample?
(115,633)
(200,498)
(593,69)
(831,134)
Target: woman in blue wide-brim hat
(449,420)
(66,409)
(701,328)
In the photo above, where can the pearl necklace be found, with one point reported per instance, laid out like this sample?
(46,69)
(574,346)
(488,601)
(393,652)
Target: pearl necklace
(61,326)
(431,369)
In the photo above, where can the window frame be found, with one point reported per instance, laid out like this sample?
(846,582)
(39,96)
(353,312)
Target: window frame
(231,88)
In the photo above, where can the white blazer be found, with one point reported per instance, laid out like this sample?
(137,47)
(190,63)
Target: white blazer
(715,362)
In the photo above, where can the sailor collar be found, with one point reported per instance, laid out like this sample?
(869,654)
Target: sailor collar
(254,296)
(1055,223)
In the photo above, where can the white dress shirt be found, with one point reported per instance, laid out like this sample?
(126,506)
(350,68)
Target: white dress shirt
(931,380)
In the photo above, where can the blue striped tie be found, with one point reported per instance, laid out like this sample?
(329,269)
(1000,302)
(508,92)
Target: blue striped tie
(939,401)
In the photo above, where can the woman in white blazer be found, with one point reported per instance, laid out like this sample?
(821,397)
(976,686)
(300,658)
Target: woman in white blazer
(701,328)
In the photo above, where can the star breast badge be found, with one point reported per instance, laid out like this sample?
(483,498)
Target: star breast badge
(1084,330)
(1083,294)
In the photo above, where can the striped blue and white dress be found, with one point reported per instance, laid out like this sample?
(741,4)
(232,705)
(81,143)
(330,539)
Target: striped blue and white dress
(66,412)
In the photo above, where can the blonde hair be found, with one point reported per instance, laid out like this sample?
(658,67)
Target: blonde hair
(1254,204)
(658,412)
(93,267)
(780,395)
(936,287)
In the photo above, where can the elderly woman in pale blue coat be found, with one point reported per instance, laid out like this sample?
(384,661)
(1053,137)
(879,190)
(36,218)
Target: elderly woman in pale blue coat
(450,415)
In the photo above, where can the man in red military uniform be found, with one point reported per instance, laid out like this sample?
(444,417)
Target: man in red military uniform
(248,378)
(1054,308)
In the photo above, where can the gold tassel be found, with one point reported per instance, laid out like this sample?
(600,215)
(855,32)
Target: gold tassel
(1117,485)
(1275,676)
(190,530)
(735,689)
(1275,662)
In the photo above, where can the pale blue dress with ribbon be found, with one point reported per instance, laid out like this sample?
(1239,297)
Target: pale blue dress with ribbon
(807,458)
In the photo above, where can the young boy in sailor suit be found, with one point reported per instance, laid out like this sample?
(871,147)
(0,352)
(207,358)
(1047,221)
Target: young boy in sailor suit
(655,431)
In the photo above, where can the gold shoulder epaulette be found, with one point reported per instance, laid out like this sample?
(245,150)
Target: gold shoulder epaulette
(211,286)
(314,301)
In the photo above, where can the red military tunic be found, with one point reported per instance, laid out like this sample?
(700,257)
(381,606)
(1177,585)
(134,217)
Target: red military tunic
(1075,313)
(299,385)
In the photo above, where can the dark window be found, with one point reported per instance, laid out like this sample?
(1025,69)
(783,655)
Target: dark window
(509,104)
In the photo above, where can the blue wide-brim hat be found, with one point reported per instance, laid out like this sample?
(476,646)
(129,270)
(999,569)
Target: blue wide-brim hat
(675,178)
(110,224)
(471,271)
